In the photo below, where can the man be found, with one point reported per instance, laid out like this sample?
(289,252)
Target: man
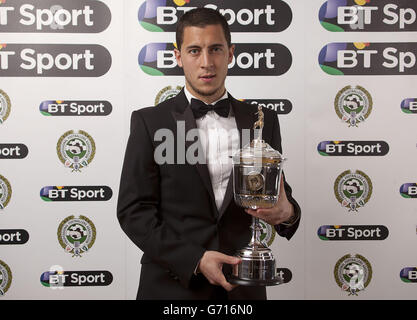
(182,215)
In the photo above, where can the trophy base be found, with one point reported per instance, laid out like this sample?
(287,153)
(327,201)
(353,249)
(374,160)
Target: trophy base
(257,267)
(255,282)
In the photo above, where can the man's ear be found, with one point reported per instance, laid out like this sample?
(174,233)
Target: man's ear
(178,57)
(231,53)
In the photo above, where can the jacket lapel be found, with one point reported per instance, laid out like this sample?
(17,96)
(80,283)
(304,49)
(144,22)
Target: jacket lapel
(182,112)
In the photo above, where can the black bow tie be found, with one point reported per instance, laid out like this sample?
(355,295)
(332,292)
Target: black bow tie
(200,109)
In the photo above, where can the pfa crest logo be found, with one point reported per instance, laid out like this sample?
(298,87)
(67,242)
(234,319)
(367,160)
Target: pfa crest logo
(353,105)
(76,235)
(5,192)
(267,233)
(5,278)
(5,106)
(353,273)
(353,189)
(167,93)
(76,149)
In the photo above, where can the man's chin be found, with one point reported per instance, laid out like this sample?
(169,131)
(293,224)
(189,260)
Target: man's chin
(206,92)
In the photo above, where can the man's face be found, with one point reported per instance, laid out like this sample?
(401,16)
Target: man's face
(204,57)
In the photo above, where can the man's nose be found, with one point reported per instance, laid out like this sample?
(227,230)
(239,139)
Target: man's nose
(206,59)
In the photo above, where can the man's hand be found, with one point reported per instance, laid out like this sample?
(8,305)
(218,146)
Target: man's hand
(211,267)
(281,212)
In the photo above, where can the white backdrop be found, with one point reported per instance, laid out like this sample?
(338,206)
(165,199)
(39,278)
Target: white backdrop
(312,176)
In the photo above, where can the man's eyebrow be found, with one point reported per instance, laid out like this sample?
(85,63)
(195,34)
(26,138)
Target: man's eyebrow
(216,45)
(194,46)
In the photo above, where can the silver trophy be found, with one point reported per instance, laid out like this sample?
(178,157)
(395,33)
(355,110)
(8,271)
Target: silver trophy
(257,170)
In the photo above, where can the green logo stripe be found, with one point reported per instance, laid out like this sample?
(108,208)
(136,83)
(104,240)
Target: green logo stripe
(405,195)
(331,71)
(151,71)
(151,27)
(46,284)
(331,27)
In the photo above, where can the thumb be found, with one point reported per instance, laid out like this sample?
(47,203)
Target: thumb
(229,259)
(282,193)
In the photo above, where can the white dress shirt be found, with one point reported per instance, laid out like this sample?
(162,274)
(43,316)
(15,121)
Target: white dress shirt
(220,140)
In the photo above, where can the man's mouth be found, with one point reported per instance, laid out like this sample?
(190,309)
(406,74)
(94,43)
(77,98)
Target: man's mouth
(207,77)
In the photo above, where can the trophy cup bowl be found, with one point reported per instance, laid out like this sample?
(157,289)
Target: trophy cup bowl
(257,170)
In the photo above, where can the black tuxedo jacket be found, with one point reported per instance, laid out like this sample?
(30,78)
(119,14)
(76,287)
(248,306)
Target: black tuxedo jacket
(169,211)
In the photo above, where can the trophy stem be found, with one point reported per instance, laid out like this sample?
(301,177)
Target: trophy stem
(256,234)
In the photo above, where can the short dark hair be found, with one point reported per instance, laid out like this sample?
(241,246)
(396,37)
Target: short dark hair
(201,17)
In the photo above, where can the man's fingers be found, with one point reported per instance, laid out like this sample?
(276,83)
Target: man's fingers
(218,279)
(259,213)
(223,258)
(233,260)
(226,285)
(253,212)
(211,267)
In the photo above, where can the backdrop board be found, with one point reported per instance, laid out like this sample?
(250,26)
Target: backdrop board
(340,74)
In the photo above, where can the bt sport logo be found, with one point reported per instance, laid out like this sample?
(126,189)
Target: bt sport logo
(241,15)
(250,59)
(368,15)
(58,16)
(364,58)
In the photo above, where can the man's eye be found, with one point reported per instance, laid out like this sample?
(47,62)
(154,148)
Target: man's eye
(193,51)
